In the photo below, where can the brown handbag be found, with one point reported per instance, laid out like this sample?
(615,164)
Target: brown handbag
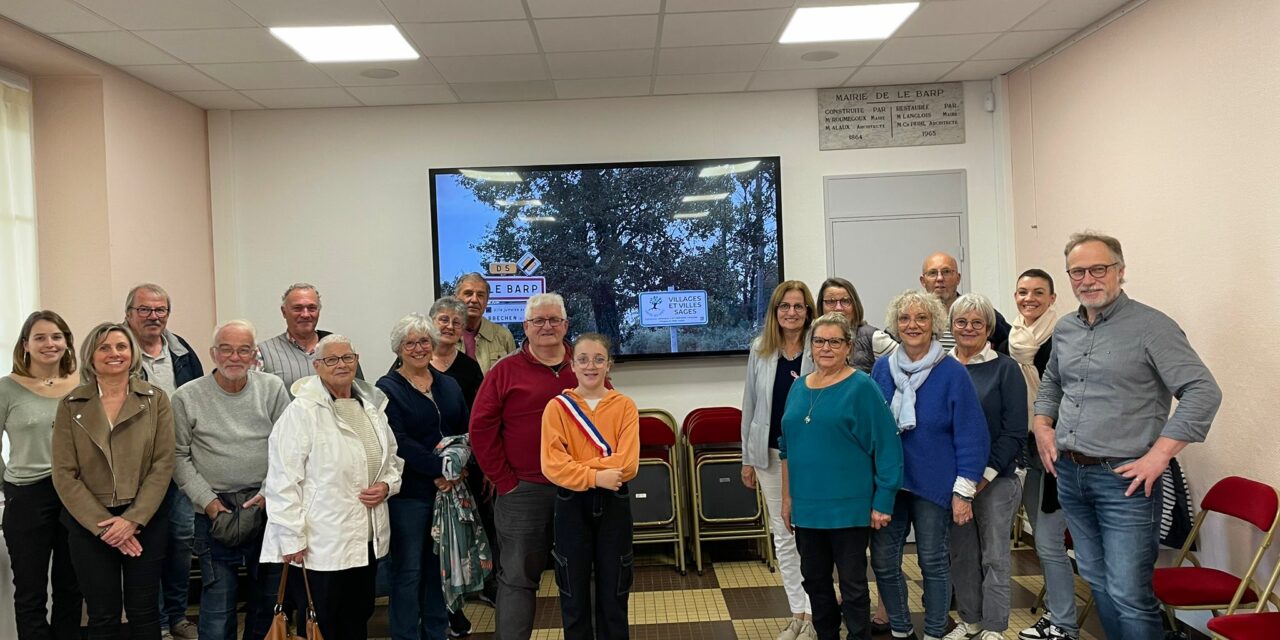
(280,622)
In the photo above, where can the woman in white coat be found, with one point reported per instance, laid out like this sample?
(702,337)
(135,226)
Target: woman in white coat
(777,356)
(331,465)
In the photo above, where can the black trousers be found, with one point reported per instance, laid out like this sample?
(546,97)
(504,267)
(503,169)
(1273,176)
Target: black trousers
(846,550)
(593,532)
(34,534)
(101,570)
(343,599)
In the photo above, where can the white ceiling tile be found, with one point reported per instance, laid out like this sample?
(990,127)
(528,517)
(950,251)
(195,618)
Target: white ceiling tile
(116,47)
(598,34)
(687,6)
(407,94)
(455,11)
(584,8)
(848,54)
(602,88)
(931,49)
(267,75)
(702,83)
(899,74)
(302,98)
(798,79)
(981,69)
(411,72)
(472,38)
(1023,44)
(174,77)
(1070,14)
(199,46)
(315,13)
(218,100)
(505,91)
(601,64)
(726,59)
(491,68)
(171,14)
(725,27)
(53,16)
(967,16)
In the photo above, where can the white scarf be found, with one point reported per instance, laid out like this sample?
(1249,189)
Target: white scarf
(907,377)
(1024,342)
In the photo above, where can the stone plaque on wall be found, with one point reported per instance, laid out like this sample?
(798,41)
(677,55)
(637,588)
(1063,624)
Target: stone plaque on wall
(904,115)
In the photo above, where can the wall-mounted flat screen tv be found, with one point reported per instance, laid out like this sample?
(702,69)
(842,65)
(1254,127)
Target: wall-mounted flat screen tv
(668,259)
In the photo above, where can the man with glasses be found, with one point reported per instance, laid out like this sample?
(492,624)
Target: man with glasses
(940,275)
(483,340)
(289,354)
(1103,428)
(168,362)
(506,436)
(221,425)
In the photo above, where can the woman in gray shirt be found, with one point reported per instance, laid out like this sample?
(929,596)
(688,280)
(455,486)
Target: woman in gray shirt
(43,364)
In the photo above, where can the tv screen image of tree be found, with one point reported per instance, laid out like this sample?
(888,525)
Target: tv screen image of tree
(668,259)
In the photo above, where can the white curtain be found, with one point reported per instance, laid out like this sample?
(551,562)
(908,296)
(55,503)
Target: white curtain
(18,275)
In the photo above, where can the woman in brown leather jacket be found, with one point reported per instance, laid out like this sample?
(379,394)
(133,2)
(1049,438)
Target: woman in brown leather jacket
(112,461)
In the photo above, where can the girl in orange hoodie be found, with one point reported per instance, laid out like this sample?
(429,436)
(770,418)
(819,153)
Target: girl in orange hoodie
(590,449)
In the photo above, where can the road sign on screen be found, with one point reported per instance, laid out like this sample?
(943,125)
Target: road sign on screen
(673,308)
(505,312)
(515,288)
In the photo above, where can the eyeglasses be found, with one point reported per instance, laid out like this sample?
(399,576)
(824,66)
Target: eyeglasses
(834,343)
(226,351)
(598,361)
(786,308)
(976,325)
(346,358)
(423,345)
(934,273)
(543,322)
(159,312)
(1097,271)
(837,303)
(447,321)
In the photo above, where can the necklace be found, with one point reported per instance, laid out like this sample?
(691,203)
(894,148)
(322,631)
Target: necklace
(48,382)
(814,402)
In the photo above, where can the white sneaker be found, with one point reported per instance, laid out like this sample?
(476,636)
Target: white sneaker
(807,632)
(990,635)
(1044,630)
(963,631)
(792,630)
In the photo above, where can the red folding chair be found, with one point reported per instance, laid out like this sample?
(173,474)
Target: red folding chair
(1259,625)
(656,495)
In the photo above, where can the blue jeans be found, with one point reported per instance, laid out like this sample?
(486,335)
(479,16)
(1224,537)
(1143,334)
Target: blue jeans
(1116,540)
(175,572)
(417,609)
(933,544)
(219,586)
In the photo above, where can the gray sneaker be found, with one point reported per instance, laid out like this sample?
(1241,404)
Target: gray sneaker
(184,630)
(792,630)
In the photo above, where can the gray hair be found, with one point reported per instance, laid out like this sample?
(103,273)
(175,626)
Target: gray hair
(544,300)
(300,286)
(974,302)
(333,338)
(1089,235)
(474,275)
(448,303)
(148,287)
(408,324)
(834,319)
(915,298)
(243,324)
(95,337)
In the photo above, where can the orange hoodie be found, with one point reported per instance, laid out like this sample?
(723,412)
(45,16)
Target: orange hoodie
(570,459)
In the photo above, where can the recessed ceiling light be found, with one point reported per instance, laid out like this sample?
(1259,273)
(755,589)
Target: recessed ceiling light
(491,176)
(707,197)
(819,56)
(691,215)
(347,44)
(503,202)
(859,22)
(536,218)
(380,73)
(726,169)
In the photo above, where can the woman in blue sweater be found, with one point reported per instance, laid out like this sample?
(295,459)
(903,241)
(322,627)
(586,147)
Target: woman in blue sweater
(945,446)
(980,563)
(841,469)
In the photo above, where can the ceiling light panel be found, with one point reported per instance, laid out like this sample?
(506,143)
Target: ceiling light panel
(347,44)
(859,22)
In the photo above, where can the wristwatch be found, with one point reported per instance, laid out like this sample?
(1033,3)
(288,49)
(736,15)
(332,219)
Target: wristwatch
(962,496)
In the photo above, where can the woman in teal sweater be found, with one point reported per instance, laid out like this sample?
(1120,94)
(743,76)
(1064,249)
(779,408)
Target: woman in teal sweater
(841,469)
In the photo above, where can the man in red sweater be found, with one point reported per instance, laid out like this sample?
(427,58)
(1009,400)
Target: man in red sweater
(506,437)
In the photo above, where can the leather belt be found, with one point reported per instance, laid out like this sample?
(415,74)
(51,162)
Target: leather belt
(1082,459)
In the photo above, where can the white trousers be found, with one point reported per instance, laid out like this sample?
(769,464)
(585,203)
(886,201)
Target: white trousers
(784,544)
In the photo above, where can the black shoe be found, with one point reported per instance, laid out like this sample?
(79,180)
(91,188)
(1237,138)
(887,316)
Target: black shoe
(879,628)
(489,596)
(459,625)
(1044,630)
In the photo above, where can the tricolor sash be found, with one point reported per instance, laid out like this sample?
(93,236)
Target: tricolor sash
(585,425)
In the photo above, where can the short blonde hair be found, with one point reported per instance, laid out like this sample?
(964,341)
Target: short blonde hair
(915,298)
(95,338)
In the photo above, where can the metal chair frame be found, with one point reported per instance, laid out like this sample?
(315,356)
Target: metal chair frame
(671,531)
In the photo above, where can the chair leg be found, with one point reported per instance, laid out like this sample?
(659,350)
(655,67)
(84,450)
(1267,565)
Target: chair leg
(1173,618)
(1039,599)
(1084,613)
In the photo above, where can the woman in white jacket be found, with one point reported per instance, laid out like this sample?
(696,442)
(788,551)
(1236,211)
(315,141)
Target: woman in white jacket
(331,465)
(777,356)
